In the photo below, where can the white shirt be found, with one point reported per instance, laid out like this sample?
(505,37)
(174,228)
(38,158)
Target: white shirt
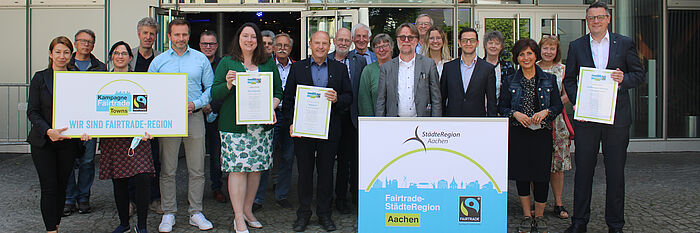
(284,72)
(600,51)
(407,103)
(497,70)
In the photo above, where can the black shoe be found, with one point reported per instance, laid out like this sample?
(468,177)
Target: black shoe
(327,223)
(121,229)
(526,224)
(300,224)
(68,209)
(84,207)
(610,230)
(576,228)
(256,207)
(342,207)
(284,204)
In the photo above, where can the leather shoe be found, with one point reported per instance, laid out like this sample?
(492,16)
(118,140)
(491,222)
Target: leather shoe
(610,230)
(300,224)
(219,196)
(342,207)
(327,223)
(576,228)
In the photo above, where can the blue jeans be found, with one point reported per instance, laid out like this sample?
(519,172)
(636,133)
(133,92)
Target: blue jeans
(284,146)
(86,175)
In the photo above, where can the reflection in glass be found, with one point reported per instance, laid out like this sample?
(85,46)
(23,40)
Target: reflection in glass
(683,73)
(586,2)
(509,29)
(505,1)
(387,1)
(568,30)
(327,24)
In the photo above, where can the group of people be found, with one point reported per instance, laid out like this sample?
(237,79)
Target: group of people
(422,81)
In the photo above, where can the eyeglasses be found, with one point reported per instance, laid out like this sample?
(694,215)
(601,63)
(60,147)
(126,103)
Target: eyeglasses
(598,17)
(382,47)
(424,24)
(212,44)
(406,38)
(84,41)
(267,43)
(344,40)
(122,54)
(468,40)
(283,46)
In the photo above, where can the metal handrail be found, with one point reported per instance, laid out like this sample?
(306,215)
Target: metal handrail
(15,107)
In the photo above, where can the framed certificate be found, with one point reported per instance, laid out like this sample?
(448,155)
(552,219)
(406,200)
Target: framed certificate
(254,98)
(596,96)
(120,104)
(312,112)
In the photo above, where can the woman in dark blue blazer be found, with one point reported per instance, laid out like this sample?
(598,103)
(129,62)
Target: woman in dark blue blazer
(530,98)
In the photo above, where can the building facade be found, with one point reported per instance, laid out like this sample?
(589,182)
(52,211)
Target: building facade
(665,108)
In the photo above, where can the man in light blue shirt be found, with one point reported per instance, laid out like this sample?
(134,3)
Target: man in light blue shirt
(180,58)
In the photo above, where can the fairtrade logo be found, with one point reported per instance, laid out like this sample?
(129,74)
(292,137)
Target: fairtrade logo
(469,209)
(313,95)
(598,77)
(418,139)
(140,103)
(254,80)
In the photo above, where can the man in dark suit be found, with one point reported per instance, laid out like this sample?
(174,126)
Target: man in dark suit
(408,85)
(603,50)
(347,151)
(322,72)
(468,81)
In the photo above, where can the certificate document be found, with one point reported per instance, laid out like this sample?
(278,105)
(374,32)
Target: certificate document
(254,98)
(312,112)
(596,96)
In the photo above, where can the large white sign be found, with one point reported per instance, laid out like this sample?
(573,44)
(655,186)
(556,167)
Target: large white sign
(115,104)
(433,174)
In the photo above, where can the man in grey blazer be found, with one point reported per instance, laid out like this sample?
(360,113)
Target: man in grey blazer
(346,174)
(146,29)
(408,84)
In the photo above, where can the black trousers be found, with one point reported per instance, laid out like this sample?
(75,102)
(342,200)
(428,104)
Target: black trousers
(321,155)
(347,161)
(615,140)
(54,163)
(143,198)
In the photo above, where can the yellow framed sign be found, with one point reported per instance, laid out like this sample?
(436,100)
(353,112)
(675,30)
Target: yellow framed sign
(120,104)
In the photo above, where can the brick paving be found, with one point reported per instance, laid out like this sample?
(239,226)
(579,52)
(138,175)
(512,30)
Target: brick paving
(663,195)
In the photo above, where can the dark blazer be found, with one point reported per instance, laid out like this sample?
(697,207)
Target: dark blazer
(482,87)
(357,64)
(623,55)
(40,107)
(300,74)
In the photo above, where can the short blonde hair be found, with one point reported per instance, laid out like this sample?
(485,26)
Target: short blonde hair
(552,40)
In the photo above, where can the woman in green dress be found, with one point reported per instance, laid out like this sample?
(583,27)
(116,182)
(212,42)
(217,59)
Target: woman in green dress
(246,150)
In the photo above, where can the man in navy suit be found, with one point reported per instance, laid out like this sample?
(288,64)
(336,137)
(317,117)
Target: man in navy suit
(347,151)
(602,50)
(322,72)
(467,82)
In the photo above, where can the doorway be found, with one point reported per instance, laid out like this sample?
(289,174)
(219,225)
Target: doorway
(225,24)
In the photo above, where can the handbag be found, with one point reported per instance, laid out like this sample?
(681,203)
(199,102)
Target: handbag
(568,123)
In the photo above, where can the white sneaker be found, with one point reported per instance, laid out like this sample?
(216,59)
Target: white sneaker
(166,223)
(201,222)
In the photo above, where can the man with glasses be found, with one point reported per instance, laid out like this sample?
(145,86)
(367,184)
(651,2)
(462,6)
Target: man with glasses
(468,81)
(360,36)
(423,23)
(602,50)
(408,84)
(347,152)
(267,38)
(208,45)
(282,142)
(83,60)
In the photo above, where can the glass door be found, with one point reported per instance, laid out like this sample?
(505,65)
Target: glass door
(329,21)
(163,17)
(567,26)
(512,25)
